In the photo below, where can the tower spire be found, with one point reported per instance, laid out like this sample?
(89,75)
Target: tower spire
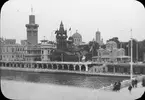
(31,10)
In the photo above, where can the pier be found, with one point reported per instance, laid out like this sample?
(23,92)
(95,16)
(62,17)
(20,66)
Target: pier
(82,68)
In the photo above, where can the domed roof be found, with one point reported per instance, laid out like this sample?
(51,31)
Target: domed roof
(76,35)
(111,42)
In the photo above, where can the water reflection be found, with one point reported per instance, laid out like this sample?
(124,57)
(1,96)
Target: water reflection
(60,79)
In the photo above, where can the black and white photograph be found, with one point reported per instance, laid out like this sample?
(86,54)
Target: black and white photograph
(72,49)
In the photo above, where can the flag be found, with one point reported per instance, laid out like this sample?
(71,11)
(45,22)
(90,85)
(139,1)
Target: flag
(91,48)
(69,28)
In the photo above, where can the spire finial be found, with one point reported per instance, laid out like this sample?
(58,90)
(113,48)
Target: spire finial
(97,29)
(31,10)
(44,37)
(61,23)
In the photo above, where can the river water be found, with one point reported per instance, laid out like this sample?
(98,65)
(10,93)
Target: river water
(94,82)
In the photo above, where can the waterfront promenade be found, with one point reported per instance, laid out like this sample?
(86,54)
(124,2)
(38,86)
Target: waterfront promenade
(38,91)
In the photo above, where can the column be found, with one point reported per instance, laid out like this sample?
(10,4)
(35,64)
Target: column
(74,67)
(52,66)
(86,68)
(56,66)
(80,67)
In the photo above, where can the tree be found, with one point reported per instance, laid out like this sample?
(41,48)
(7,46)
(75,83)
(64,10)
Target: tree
(94,46)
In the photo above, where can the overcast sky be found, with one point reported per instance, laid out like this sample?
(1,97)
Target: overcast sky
(114,18)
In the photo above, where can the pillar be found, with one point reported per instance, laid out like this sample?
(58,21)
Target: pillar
(74,67)
(80,67)
(52,66)
(62,67)
(56,66)
(86,68)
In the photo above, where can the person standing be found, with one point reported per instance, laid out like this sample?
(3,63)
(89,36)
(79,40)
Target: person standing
(130,88)
(135,82)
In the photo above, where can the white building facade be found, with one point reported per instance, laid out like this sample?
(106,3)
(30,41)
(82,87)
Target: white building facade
(111,54)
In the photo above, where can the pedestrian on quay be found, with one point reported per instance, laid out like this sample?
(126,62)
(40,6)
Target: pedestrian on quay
(135,82)
(130,88)
(119,85)
(114,86)
(143,82)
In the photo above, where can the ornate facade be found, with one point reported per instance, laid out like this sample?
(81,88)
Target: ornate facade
(46,50)
(32,31)
(111,54)
(33,48)
(12,51)
(61,38)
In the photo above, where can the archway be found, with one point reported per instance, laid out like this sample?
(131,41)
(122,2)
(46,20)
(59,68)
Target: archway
(71,67)
(35,65)
(77,68)
(65,67)
(59,66)
(18,64)
(83,68)
(7,64)
(44,66)
(49,66)
(39,66)
(22,65)
(54,66)
(0,64)
(3,64)
(15,65)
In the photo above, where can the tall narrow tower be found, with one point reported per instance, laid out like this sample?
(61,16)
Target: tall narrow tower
(61,36)
(98,36)
(32,30)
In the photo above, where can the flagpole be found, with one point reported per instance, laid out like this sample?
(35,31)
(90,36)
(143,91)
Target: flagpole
(92,49)
(131,58)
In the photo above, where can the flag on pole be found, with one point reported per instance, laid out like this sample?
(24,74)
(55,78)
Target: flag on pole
(70,29)
(91,48)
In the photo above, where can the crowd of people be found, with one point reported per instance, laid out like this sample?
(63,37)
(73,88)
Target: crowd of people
(133,84)
(117,86)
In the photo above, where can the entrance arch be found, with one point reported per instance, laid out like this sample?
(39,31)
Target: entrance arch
(77,67)
(54,66)
(71,67)
(44,66)
(49,66)
(83,68)
(65,67)
(60,67)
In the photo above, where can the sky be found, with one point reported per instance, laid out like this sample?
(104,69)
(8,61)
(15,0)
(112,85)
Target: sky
(113,18)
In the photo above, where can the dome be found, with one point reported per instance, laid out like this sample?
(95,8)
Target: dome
(111,42)
(76,35)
